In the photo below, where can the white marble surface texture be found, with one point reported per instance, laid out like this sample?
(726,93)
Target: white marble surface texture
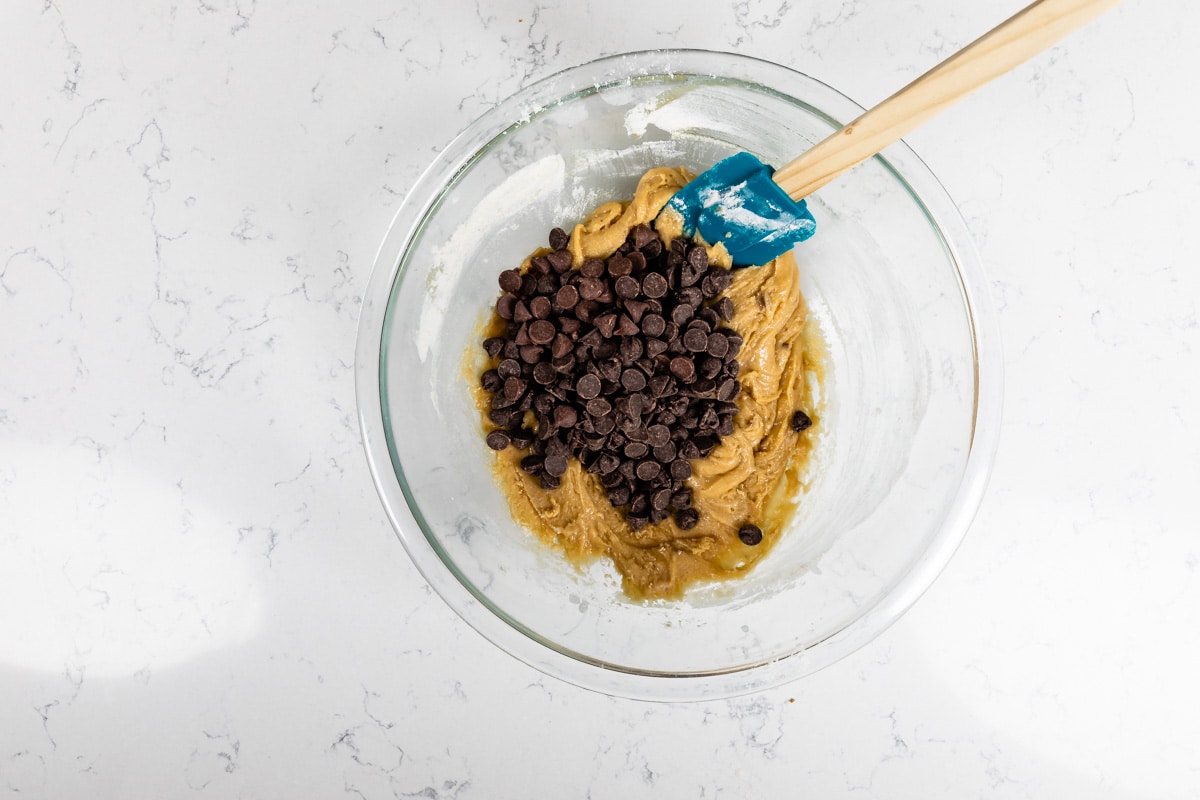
(200,594)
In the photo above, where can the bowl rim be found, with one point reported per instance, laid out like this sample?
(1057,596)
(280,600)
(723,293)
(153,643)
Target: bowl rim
(403,511)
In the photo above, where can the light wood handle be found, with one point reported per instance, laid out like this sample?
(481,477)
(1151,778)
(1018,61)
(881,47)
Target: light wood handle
(1015,40)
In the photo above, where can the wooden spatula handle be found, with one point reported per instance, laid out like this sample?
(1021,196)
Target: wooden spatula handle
(1019,38)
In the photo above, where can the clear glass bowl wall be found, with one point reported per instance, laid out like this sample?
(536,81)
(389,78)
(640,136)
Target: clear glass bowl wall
(909,404)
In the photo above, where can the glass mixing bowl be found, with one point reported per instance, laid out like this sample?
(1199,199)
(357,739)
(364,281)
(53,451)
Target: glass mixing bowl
(911,395)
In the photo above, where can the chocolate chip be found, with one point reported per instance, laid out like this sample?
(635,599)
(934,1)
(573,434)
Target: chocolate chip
(720,277)
(618,267)
(801,421)
(565,416)
(599,407)
(591,288)
(566,297)
(505,305)
(683,368)
(682,498)
(493,346)
(555,446)
(626,326)
(690,296)
(619,496)
(542,331)
(491,380)
(728,390)
(558,239)
(548,481)
(750,534)
(659,385)
(695,340)
(555,465)
(718,345)
(510,280)
(626,287)
(592,268)
(682,314)
(637,521)
(633,380)
(658,435)
(521,312)
(724,308)
(647,470)
(498,440)
(636,450)
(521,438)
(636,309)
(681,469)
(660,499)
(588,387)
(610,369)
(665,453)
(631,349)
(655,346)
(504,417)
(642,235)
(654,285)
(532,464)
(561,346)
(628,470)
(606,324)
(653,325)
(509,368)
(687,518)
(636,404)
(560,260)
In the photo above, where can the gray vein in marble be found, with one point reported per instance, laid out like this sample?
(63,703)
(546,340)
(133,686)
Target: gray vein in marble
(88,109)
(747,21)
(218,754)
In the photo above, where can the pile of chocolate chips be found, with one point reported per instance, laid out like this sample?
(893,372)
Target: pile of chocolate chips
(625,364)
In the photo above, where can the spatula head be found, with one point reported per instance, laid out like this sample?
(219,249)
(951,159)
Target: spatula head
(736,203)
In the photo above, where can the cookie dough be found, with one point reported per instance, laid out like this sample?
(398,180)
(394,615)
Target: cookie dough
(753,476)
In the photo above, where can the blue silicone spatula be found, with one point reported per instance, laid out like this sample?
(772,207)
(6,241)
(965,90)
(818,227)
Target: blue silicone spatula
(759,213)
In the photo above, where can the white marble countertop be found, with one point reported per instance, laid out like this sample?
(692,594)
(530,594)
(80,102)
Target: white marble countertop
(200,595)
